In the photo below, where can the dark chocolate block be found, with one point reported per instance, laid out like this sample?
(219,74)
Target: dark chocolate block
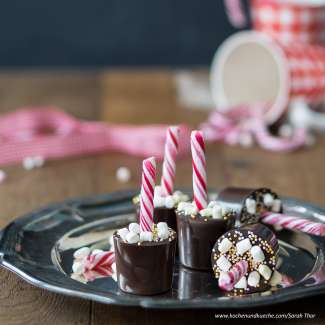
(196,237)
(145,269)
(234,198)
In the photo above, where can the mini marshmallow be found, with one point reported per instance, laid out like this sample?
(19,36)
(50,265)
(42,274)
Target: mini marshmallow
(3,175)
(123,232)
(78,267)
(223,263)
(257,254)
(163,233)
(114,267)
(123,174)
(169,202)
(224,245)
(212,204)
(206,212)
(217,212)
(134,227)
(28,163)
(81,253)
(265,271)
(276,207)
(276,278)
(183,205)
(145,236)
(242,283)
(253,279)
(38,161)
(97,251)
(190,210)
(78,277)
(159,201)
(268,199)
(132,237)
(162,226)
(250,206)
(243,246)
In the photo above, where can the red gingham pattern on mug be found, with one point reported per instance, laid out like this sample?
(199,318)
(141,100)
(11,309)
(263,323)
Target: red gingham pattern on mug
(289,22)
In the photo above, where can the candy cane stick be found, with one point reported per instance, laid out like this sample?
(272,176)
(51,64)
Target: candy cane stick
(199,170)
(147,194)
(227,281)
(169,165)
(102,260)
(293,223)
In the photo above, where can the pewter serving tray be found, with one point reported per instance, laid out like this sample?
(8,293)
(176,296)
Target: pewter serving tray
(39,248)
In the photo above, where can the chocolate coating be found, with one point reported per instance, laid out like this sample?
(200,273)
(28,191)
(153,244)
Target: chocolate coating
(145,269)
(234,198)
(267,241)
(196,237)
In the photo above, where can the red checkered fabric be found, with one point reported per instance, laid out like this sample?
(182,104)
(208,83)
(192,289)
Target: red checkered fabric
(289,22)
(307,70)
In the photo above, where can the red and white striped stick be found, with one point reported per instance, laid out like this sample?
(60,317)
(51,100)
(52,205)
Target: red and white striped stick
(199,170)
(293,223)
(169,165)
(147,194)
(99,265)
(227,281)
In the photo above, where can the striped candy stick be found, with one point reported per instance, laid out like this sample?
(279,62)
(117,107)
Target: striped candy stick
(147,194)
(169,164)
(293,223)
(199,170)
(100,261)
(228,280)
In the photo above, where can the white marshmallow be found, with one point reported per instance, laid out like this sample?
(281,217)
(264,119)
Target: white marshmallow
(184,198)
(253,279)
(265,271)
(169,202)
(163,233)
(114,267)
(223,263)
(39,161)
(78,277)
(28,163)
(224,245)
(134,227)
(162,225)
(276,278)
(217,212)
(145,236)
(212,204)
(206,212)
(268,199)
(190,210)
(276,207)
(132,237)
(158,201)
(243,246)
(250,205)
(183,205)
(257,254)
(81,253)
(242,283)
(78,267)
(123,232)
(97,251)
(123,174)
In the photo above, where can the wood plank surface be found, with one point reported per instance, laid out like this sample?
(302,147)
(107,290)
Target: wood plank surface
(136,97)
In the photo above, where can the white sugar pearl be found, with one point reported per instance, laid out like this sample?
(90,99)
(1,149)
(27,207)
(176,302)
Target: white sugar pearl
(276,207)
(28,163)
(132,237)
(217,212)
(123,174)
(257,254)
(276,278)
(163,233)
(206,212)
(169,202)
(212,204)
(265,271)
(243,246)
(145,236)
(81,253)
(242,283)
(78,267)
(134,227)
(253,279)
(158,201)
(123,232)
(223,263)
(3,176)
(224,246)
(250,206)
(97,251)
(268,199)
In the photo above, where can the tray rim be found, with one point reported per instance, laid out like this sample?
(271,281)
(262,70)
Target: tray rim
(149,301)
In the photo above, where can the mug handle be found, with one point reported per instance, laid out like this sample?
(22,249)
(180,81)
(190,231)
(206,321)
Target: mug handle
(236,13)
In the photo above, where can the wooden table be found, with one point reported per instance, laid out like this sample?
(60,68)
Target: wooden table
(129,97)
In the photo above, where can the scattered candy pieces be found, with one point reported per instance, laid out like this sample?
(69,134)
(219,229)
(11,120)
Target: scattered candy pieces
(3,176)
(123,174)
(30,163)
